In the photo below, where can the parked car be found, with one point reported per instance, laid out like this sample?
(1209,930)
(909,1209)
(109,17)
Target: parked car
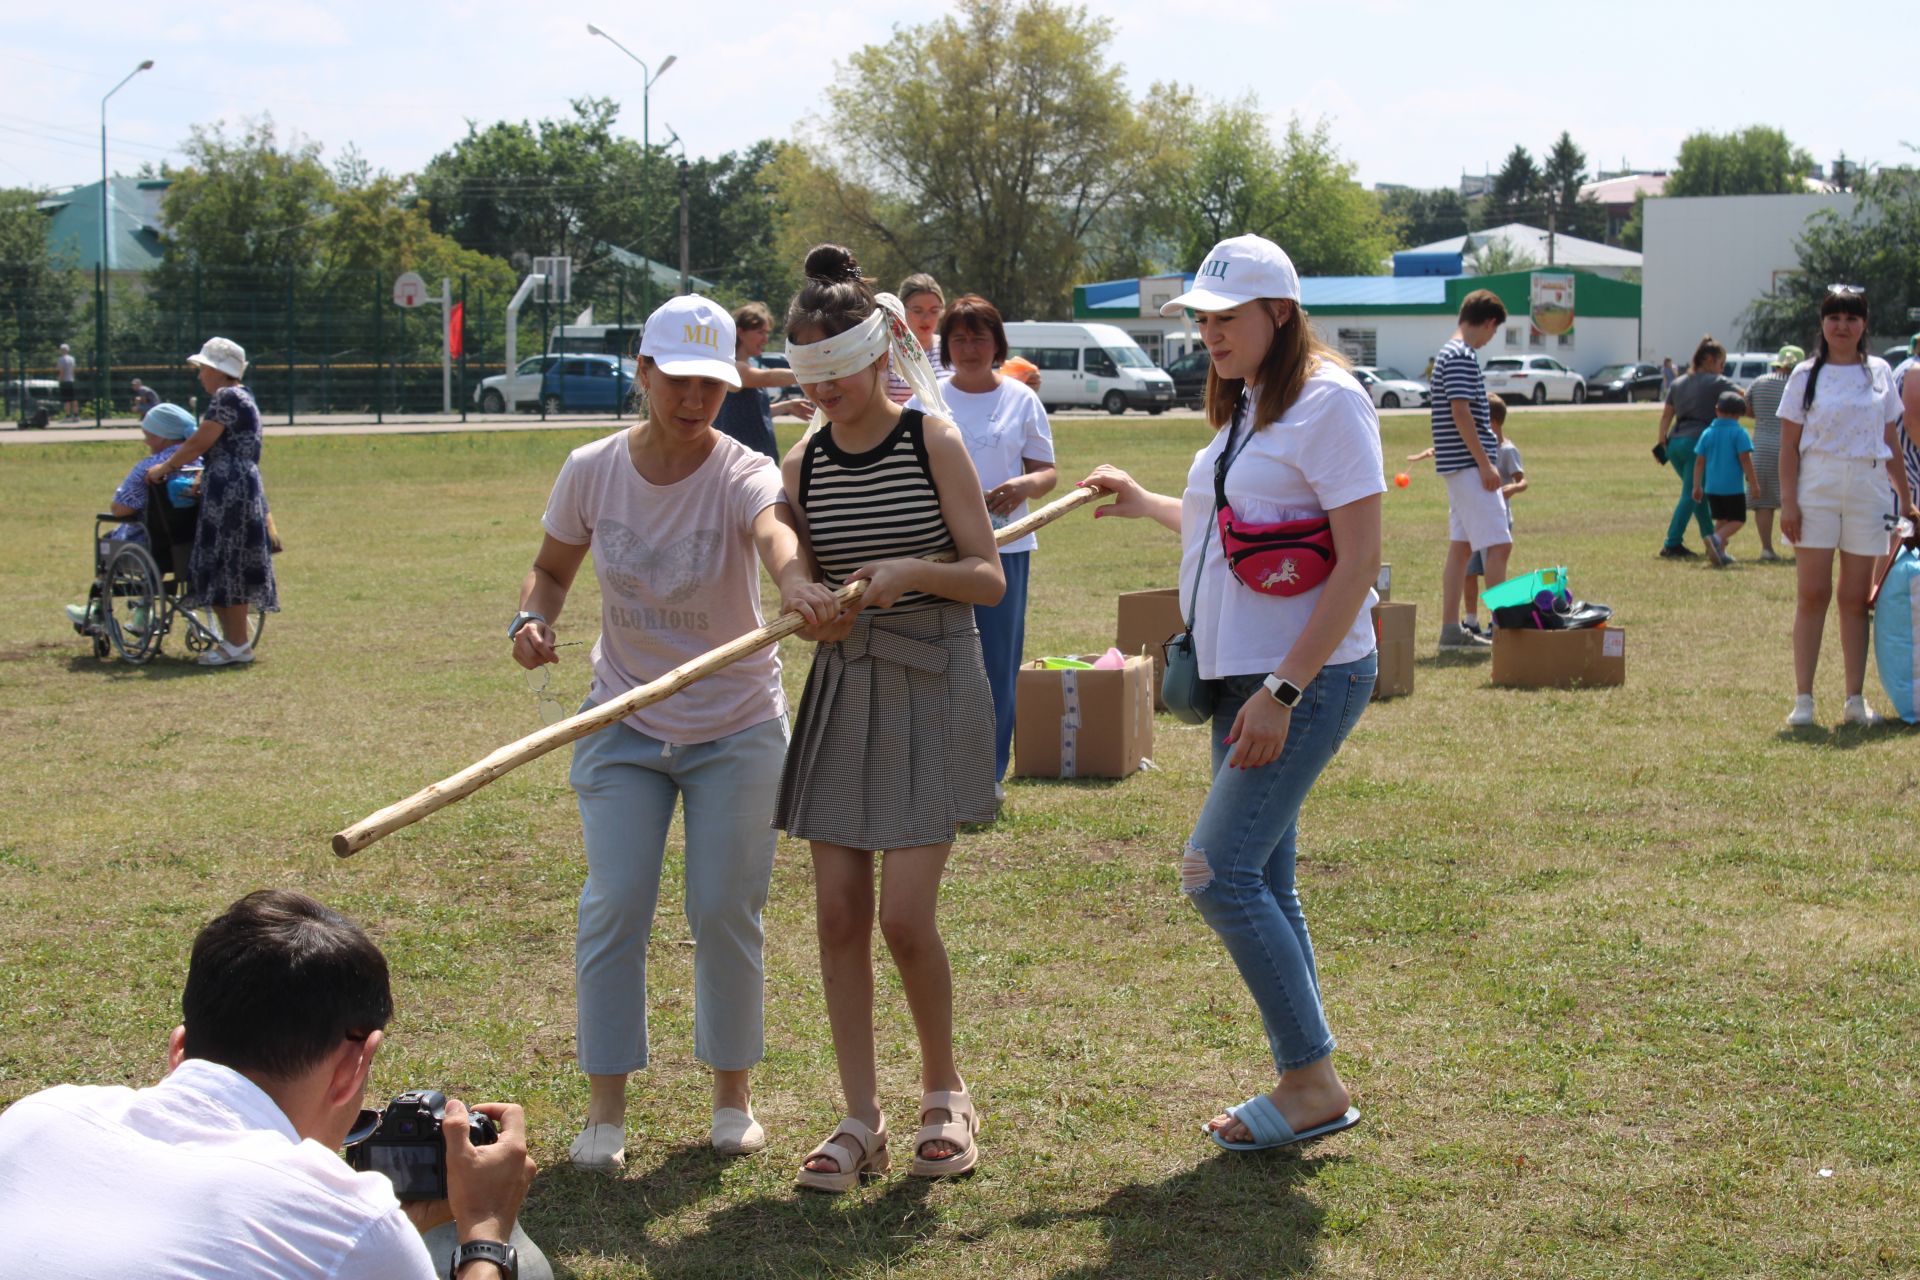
(1390,388)
(1534,378)
(1624,382)
(523,387)
(32,401)
(1091,364)
(778,360)
(1894,355)
(1189,374)
(1744,366)
(572,384)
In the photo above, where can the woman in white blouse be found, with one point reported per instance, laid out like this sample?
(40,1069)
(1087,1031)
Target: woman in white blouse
(1838,417)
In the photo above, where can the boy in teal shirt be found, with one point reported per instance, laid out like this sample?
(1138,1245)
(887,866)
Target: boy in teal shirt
(1723,453)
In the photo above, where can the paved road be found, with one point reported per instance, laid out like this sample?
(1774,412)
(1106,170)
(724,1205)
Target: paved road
(356,424)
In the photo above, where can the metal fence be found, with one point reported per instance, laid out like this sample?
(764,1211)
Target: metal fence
(316,347)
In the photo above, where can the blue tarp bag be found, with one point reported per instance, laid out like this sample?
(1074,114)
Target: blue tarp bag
(1896,622)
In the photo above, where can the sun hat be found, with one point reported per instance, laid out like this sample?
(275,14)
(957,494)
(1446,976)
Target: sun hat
(691,337)
(169,422)
(1238,271)
(1788,357)
(223,354)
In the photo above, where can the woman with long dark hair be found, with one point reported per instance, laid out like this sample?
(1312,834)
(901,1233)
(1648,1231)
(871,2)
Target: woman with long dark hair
(1289,663)
(1839,413)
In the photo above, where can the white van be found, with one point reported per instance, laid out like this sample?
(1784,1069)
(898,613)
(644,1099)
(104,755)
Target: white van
(1091,364)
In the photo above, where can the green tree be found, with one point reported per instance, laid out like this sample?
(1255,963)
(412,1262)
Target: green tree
(39,291)
(1422,217)
(243,202)
(983,147)
(1517,190)
(1877,246)
(1757,160)
(1231,178)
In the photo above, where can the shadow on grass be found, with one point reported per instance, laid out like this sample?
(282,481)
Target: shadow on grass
(159,667)
(1235,1215)
(1844,737)
(795,1234)
(1455,658)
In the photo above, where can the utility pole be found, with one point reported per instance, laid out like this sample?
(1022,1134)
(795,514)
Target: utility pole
(685,274)
(103,372)
(646,150)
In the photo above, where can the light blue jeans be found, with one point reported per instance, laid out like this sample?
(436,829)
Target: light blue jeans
(1003,634)
(1238,867)
(626,783)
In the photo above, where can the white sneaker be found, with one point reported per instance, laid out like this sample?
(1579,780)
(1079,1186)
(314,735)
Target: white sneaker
(223,654)
(600,1148)
(736,1132)
(1458,637)
(1802,714)
(1858,712)
(1717,550)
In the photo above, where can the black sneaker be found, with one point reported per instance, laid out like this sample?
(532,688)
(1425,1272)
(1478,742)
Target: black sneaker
(1678,553)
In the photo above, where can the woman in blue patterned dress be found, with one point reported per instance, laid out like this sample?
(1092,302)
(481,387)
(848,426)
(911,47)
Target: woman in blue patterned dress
(232,566)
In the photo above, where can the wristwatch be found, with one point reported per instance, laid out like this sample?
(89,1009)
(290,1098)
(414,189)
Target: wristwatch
(521,619)
(504,1256)
(1285,692)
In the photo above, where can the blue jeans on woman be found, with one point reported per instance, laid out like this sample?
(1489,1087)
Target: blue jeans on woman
(1239,861)
(1003,635)
(1680,458)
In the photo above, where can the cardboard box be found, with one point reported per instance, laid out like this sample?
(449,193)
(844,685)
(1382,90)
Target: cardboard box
(1148,619)
(1082,724)
(1589,656)
(1393,629)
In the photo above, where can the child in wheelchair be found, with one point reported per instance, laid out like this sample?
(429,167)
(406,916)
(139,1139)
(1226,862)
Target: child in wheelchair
(163,428)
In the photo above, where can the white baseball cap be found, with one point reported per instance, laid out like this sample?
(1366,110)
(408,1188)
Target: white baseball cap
(224,354)
(1237,271)
(691,337)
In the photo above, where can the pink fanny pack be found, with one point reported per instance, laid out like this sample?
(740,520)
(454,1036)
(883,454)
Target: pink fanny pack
(1281,559)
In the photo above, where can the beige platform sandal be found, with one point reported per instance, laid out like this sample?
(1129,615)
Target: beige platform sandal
(872,1162)
(959,1132)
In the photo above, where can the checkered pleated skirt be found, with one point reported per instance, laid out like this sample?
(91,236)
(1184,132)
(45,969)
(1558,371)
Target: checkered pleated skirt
(893,744)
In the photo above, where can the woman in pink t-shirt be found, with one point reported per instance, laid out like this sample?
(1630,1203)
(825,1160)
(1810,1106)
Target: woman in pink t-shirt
(679,518)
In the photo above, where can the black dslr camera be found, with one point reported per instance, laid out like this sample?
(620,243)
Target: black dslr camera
(404,1142)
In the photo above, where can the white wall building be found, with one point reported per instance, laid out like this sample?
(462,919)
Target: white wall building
(1709,257)
(1395,321)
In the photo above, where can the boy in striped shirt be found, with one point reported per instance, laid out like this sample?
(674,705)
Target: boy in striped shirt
(1464,449)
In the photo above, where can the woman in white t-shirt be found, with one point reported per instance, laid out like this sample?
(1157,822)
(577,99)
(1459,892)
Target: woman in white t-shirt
(679,518)
(1005,429)
(1838,416)
(1291,673)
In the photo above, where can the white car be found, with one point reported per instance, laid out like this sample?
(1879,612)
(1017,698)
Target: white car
(1390,388)
(1534,378)
(1744,366)
(492,393)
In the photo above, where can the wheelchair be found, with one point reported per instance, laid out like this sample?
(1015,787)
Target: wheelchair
(140,592)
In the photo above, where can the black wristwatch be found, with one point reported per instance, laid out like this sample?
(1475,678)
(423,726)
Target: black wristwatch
(1285,692)
(505,1256)
(521,619)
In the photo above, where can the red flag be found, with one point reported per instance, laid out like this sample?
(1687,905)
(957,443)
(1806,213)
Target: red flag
(456,327)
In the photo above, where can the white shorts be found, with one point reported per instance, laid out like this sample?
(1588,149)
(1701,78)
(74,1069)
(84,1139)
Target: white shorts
(1845,503)
(1475,514)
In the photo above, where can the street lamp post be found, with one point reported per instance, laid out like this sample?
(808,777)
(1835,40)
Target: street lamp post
(646,150)
(101,364)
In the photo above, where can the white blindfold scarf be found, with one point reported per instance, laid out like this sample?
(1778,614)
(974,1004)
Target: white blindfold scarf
(882,333)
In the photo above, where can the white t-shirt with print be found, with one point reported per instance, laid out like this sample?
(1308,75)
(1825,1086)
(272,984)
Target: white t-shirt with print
(678,576)
(1850,412)
(1324,454)
(1002,428)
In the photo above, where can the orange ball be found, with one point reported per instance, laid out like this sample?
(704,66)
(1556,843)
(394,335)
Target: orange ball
(1403,479)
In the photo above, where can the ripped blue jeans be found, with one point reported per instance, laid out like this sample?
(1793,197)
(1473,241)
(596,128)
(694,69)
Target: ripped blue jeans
(1238,867)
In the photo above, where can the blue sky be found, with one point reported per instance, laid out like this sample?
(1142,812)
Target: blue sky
(1416,93)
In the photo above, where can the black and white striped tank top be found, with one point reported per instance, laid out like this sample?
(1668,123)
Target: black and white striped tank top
(877,505)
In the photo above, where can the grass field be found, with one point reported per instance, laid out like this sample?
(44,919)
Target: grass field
(1626,981)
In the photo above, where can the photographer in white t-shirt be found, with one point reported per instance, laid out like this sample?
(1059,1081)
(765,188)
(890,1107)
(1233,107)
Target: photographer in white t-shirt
(230,1167)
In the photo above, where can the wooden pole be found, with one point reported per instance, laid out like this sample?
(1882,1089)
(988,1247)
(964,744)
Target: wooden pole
(438,796)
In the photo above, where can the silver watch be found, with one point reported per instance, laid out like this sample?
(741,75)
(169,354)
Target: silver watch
(521,619)
(1285,692)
